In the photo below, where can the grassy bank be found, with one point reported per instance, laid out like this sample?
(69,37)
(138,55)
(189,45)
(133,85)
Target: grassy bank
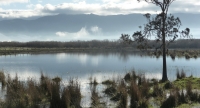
(134,91)
(23,50)
(173,53)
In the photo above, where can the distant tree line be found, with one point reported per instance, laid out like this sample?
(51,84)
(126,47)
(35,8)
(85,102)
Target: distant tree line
(181,43)
(70,44)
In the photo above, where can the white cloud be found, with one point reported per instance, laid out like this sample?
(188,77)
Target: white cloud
(20,13)
(61,34)
(113,7)
(49,7)
(111,1)
(108,7)
(5,2)
(83,33)
(30,5)
(39,7)
(95,29)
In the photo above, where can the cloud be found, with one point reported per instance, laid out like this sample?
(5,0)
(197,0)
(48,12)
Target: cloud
(95,29)
(21,13)
(83,33)
(114,7)
(107,7)
(4,38)
(61,34)
(110,8)
(6,2)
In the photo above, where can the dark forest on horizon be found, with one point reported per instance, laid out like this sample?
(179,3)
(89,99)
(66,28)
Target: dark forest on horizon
(178,44)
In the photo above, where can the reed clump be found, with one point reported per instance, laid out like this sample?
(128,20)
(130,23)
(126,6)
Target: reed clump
(143,92)
(134,91)
(122,90)
(133,86)
(42,93)
(108,82)
(95,98)
(180,75)
(2,79)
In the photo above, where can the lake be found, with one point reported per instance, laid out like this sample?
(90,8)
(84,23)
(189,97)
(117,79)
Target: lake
(102,66)
(84,65)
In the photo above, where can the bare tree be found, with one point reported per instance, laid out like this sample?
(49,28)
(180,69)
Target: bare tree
(163,26)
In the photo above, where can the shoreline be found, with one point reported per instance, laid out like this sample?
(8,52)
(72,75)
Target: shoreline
(148,92)
(187,53)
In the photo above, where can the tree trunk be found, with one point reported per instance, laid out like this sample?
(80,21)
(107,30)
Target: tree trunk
(164,75)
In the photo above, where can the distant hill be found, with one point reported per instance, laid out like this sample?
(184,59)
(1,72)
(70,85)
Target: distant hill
(71,23)
(112,24)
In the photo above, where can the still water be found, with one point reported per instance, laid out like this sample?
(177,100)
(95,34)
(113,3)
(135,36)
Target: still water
(84,65)
(100,65)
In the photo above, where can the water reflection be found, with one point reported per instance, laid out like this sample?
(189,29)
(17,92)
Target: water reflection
(82,64)
(102,66)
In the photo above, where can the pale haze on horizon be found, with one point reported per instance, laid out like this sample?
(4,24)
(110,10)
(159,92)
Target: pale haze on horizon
(33,9)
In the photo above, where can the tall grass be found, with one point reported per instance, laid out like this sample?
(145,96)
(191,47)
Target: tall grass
(122,90)
(34,94)
(2,79)
(134,91)
(180,75)
(95,96)
(134,95)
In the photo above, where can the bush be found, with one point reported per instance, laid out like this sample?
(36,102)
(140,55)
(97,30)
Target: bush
(182,98)
(110,91)
(143,104)
(127,77)
(108,82)
(157,91)
(123,99)
(168,85)
(170,102)
(116,97)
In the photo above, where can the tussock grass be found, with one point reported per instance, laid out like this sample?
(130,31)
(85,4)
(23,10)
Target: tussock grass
(132,90)
(2,79)
(108,82)
(34,94)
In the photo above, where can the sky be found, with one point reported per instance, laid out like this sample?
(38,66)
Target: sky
(32,8)
(11,9)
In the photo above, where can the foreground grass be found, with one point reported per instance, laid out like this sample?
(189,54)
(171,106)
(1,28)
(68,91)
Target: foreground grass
(193,105)
(45,93)
(151,93)
(134,91)
(182,83)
